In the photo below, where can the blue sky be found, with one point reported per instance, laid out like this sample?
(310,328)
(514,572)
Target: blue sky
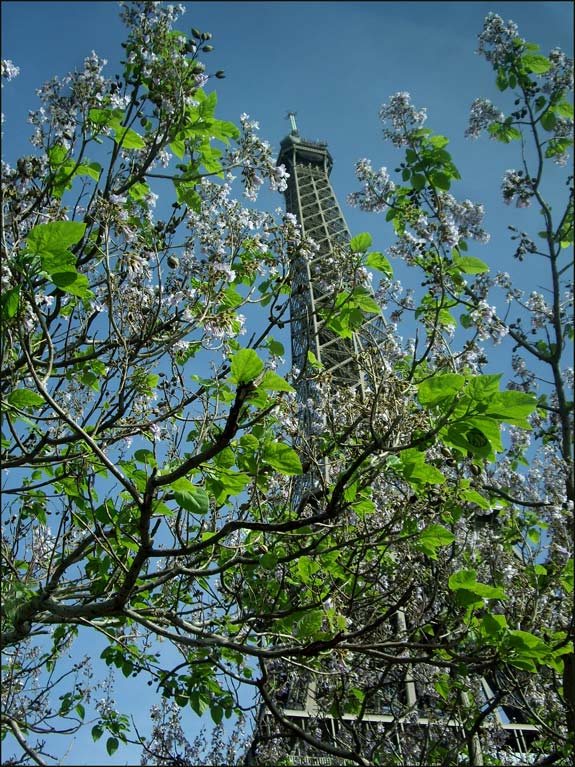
(334,63)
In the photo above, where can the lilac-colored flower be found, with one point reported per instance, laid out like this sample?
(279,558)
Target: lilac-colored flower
(482,114)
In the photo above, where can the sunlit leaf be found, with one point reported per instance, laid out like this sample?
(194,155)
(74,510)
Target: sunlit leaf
(282,457)
(360,242)
(245,366)
(438,388)
(190,496)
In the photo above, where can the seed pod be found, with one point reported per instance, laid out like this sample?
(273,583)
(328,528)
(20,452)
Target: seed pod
(173,262)
(197,33)
(207,48)
(220,74)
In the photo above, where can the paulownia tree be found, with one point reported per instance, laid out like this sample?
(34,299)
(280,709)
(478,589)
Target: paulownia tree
(154,494)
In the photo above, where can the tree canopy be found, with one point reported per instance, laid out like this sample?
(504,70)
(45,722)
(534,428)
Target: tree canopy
(157,490)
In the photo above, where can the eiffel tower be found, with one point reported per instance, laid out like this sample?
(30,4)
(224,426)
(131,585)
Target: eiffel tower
(311,199)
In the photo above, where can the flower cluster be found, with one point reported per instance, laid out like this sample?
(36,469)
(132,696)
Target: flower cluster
(405,119)
(462,220)
(559,77)
(487,323)
(541,312)
(65,103)
(377,188)
(482,114)
(8,70)
(254,156)
(515,184)
(499,42)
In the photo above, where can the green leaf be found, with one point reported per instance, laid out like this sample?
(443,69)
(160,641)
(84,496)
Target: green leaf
(306,568)
(224,130)
(434,390)
(178,147)
(92,169)
(226,482)
(493,624)
(567,576)
(275,347)
(441,181)
(360,242)
(483,388)
(548,120)
(282,457)
(97,732)
(112,745)
(442,686)
(471,265)
(190,496)
(51,242)
(379,261)
(564,109)
(268,561)
(273,382)
(216,714)
(146,457)
(416,471)
(138,190)
(434,537)
(512,407)
(557,146)
(313,361)
(528,643)
(364,301)
(100,117)
(198,702)
(417,181)
(57,154)
(474,497)
(23,398)
(73,283)
(439,141)
(465,580)
(534,62)
(501,80)
(245,366)
(127,137)
(10,300)
(309,624)
(476,438)
(445,318)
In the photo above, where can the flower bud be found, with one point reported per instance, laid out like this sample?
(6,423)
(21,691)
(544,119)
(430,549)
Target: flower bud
(220,74)
(173,262)
(197,33)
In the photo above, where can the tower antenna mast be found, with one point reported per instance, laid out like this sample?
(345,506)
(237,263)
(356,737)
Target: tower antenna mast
(291,115)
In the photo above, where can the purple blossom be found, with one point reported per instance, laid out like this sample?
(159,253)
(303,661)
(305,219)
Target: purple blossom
(515,184)
(9,70)
(497,41)
(483,113)
(405,119)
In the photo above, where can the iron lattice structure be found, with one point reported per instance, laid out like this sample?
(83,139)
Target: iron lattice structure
(316,280)
(314,283)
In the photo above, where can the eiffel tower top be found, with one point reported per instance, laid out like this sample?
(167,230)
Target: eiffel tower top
(295,150)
